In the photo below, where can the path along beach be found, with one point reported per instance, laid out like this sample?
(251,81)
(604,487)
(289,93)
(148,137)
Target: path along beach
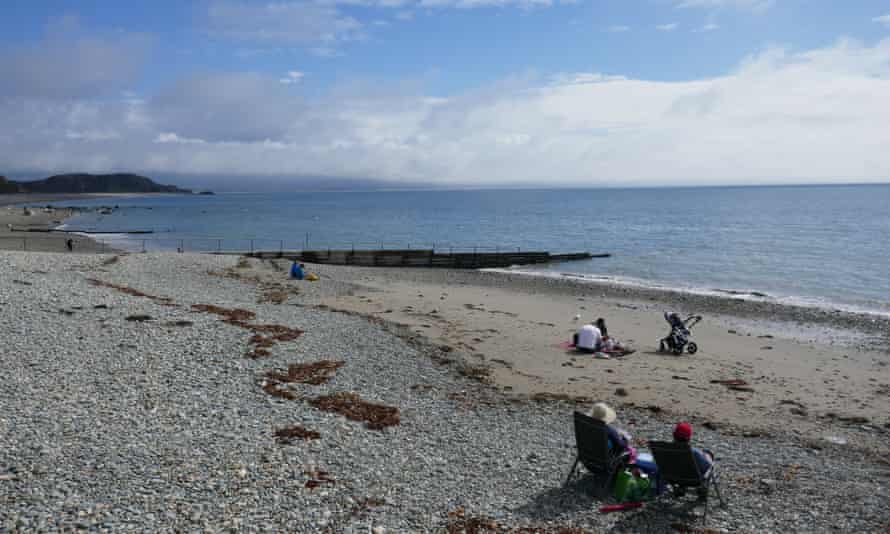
(153,392)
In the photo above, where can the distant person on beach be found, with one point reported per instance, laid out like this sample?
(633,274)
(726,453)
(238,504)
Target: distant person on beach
(296,271)
(70,245)
(619,440)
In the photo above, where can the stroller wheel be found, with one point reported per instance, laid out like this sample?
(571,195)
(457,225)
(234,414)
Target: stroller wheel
(678,350)
(691,347)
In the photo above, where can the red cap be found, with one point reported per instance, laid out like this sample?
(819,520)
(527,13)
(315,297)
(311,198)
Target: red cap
(683,432)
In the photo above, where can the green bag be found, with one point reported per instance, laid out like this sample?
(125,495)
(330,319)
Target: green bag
(630,488)
(623,482)
(641,490)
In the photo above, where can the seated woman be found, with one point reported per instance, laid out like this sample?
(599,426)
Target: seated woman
(588,339)
(619,440)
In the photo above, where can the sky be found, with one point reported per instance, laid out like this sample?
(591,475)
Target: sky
(449,92)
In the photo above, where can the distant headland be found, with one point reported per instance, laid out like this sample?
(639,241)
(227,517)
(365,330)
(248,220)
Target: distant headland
(89,183)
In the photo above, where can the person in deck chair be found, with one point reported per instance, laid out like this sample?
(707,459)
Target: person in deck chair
(619,440)
(704,459)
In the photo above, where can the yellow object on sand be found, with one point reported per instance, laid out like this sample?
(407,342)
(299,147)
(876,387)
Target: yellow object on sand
(312,277)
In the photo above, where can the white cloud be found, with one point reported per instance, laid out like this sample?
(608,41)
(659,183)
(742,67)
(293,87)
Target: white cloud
(287,23)
(473,4)
(667,27)
(292,77)
(72,61)
(364,3)
(811,116)
(709,27)
(756,6)
(618,28)
(170,137)
(244,107)
(883,19)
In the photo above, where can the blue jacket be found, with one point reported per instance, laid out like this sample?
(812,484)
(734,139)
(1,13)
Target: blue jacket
(701,460)
(617,444)
(296,271)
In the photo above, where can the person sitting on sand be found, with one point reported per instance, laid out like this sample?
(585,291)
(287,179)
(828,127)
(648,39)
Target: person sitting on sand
(610,344)
(619,440)
(703,459)
(601,324)
(296,271)
(588,339)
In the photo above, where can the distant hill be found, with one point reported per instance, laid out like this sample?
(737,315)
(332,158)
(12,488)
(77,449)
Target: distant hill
(93,183)
(7,187)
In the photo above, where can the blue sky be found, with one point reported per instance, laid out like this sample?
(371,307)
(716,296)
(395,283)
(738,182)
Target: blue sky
(595,92)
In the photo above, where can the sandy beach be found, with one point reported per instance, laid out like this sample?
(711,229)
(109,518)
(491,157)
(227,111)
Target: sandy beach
(803,369)
(172,392)
(14,216)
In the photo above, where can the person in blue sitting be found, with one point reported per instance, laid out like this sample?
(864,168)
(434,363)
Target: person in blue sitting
(703,459)
(296,271)
(619,442)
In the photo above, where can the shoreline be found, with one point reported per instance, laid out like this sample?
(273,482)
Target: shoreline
(873,329)
(802,302)
(17,199)
(44,240)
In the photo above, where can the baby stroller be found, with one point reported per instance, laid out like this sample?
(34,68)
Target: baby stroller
(678,339)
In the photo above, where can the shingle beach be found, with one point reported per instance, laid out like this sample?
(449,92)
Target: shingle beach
(184,392)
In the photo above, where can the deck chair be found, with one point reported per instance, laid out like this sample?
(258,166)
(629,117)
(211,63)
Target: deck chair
(592,440)
(677,466)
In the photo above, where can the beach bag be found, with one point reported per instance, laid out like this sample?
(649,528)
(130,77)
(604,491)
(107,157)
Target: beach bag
(632,488)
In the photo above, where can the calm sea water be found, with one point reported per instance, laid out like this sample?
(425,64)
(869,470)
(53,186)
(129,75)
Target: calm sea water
(822,245)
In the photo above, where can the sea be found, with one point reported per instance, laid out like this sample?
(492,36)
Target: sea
(823,246)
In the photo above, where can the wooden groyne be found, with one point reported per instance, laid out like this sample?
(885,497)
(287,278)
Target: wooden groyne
(423,258)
